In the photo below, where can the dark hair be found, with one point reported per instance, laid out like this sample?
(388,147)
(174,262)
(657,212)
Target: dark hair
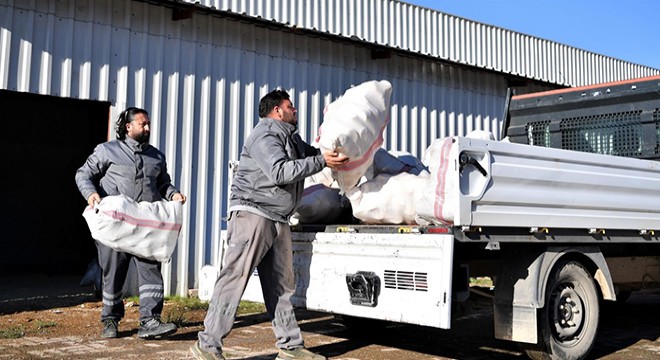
(126,117)
(270,100)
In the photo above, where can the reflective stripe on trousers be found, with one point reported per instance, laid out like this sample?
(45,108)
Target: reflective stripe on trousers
(115,268)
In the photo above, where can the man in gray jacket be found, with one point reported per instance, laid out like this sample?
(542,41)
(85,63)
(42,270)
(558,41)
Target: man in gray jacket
(265,192)
(132,167)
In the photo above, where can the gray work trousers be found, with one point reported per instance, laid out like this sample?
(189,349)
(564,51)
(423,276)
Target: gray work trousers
(254,241)
(150,282)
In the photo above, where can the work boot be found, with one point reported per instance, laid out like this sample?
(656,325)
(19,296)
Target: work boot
(109,329)
(153,328)
(200,354)
(298,354)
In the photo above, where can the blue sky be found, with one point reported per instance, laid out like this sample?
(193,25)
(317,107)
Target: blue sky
(624,29)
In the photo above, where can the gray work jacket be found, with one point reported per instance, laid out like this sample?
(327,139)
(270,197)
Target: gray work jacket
(126,167)
(273,166)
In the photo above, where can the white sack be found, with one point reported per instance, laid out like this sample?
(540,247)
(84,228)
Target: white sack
(438,204)
(146,229)
(388,199)
(322,177)
(353,125)
(320,204)
(440,201)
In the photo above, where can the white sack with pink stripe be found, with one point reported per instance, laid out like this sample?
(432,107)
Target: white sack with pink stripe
(440,199)
(388,199)
(353,125)
(146,229)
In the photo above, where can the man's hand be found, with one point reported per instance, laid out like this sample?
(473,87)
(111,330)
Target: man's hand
(179,197)
(93,200)
(333,159)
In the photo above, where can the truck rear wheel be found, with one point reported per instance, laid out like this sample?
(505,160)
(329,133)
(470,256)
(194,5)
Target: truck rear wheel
(568,322)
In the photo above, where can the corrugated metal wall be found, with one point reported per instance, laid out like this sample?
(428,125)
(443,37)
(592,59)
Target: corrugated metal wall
(201,80)
(429,32)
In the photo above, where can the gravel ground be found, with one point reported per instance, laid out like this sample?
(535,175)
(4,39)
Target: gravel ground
(58,319)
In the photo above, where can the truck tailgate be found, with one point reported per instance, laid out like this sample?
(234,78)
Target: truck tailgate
(410,274)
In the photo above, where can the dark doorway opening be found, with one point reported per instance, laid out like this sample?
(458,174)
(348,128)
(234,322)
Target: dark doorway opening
(46,140)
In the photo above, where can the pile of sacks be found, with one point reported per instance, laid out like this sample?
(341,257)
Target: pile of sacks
(377,186)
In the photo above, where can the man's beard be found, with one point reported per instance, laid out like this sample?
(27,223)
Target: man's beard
(142,138)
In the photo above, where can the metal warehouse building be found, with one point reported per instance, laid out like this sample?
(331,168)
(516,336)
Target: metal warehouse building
(68,67)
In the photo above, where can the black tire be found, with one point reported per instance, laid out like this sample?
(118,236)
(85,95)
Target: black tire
(568,323)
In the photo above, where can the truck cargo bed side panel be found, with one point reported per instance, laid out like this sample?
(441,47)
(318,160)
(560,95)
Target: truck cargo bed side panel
(542,187)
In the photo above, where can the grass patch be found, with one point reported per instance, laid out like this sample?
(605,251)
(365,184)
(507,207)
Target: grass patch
(176,316)
(45,324)
(482,281)
(19,331)
(13,332)
(249,307)
(190,303)
(178,307)
(193,303)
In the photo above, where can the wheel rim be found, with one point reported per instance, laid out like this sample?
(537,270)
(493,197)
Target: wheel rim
(568,314)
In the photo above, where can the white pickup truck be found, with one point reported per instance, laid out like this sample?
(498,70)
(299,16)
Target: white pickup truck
(553,217)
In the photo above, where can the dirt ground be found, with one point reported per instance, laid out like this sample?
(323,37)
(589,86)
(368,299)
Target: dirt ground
(40,313)
(58,319)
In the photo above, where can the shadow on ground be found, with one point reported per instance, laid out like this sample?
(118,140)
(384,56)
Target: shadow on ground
(38,291)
